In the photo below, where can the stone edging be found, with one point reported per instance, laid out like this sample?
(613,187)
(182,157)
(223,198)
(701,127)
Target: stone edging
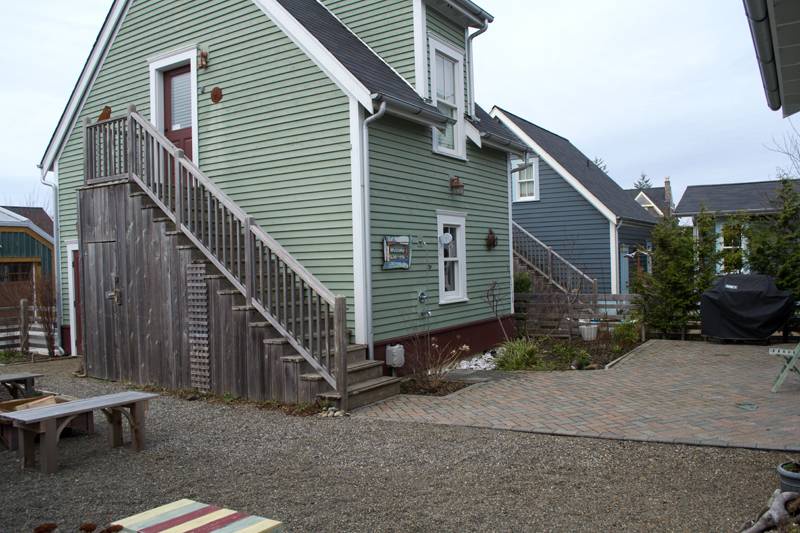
(629,354)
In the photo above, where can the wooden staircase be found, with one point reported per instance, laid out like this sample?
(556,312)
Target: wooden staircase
(245,294)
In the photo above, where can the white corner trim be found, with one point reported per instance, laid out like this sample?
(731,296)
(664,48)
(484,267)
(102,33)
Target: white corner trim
(358,189)
(84,85)
(158,65)
(71,246)
(510,185)
(420,48)
(320,55)
(569,178)
(613,238)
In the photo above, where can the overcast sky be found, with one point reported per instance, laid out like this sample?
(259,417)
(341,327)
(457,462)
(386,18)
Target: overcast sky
(662,87)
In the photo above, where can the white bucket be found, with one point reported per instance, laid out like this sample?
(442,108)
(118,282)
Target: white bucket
(588,332)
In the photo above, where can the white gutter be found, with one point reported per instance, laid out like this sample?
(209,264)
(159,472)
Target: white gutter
(365,206)
(471,77)
(57,267)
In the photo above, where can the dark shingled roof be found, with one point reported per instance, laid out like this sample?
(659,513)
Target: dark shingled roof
(37,215)
(353,53)
(493,127)
(753,197)
(656,195)
(585,171)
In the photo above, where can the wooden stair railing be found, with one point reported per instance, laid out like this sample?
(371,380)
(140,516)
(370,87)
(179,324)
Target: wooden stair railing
(291,299)
(552,266)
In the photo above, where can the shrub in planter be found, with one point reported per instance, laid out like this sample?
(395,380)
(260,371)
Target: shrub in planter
(571,356)
(519,354)
(522,282)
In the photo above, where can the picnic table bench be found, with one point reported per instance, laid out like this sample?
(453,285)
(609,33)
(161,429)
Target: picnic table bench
(186,515)
(50,421)
(19,385)
(791,363)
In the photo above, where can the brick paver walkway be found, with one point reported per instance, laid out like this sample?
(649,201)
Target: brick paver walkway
(667,391)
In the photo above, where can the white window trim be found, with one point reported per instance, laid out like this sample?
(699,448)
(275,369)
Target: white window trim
(420,48)
(161,63)
(71,245)
(517,196)
(452,218)
(459,133)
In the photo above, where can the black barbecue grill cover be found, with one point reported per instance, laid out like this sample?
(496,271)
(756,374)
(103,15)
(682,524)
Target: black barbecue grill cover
(744,307)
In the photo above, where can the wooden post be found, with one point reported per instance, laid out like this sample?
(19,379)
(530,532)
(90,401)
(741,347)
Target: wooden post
(49,446)
(550,263)
(249,260)
(341,341)
(88,165)
(24,339)
(131,157)
(178,189)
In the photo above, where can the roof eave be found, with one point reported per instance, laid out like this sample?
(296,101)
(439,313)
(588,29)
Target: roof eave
(411,112)
(502,143)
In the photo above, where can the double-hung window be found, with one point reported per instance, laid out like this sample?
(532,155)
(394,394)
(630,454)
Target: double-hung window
(526,180)
(447,84)
(452,257)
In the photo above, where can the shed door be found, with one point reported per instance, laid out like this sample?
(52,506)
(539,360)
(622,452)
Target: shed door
(102,301)
(178,108)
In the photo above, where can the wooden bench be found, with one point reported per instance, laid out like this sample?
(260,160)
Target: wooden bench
(20,385)
(791,363)
(50,421)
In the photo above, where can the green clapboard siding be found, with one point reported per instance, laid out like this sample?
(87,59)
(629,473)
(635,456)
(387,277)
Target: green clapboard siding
(278,143)
(408,183)
(451,33)
(386,26)
(15,244)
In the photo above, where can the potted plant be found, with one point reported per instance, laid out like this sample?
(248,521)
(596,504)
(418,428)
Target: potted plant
(789,473)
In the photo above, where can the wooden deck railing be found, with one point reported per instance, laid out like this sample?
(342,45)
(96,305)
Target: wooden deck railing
(290,298)
(547,262)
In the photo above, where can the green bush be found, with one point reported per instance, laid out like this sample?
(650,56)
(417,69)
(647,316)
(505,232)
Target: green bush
(625,333)
(566,355)
(519,354)
(522,282)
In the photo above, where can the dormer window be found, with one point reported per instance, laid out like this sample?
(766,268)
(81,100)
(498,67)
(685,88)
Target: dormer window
(447,84)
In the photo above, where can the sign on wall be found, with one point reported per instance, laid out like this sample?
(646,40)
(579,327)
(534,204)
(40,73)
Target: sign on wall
(396,252)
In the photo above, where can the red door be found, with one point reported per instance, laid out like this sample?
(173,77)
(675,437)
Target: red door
(178,108)
(76,284)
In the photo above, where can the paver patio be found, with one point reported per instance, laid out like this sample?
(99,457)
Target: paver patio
(666,391)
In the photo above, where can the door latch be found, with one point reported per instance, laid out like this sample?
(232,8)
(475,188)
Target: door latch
(114,294)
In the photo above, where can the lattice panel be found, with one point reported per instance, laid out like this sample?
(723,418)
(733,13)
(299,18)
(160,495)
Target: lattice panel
(197,294)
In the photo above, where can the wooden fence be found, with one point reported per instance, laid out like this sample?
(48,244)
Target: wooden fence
(22,329)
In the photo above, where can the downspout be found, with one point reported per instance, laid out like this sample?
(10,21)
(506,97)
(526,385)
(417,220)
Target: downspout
(471,78)
(367,228)
(57,248)
(616,254)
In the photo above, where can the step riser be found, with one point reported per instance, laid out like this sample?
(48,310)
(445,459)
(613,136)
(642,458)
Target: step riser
(374,395)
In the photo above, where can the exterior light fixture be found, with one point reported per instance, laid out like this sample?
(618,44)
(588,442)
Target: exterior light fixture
(202,60)
(456,186)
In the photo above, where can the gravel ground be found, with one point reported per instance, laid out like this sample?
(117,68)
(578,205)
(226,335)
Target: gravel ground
(347,474)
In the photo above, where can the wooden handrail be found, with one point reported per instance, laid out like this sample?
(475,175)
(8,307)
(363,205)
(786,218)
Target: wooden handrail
(291,299)
(546,268)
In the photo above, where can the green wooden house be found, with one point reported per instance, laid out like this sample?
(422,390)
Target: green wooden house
(257,197)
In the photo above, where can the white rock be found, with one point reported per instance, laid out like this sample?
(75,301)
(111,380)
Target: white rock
(481,362)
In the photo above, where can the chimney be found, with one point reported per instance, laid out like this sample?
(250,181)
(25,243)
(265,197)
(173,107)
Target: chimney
(667,197)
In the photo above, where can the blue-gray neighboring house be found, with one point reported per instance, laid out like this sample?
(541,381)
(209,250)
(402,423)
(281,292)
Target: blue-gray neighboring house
(562,199)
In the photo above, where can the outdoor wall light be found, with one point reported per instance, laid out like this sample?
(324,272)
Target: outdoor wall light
(202,59)
(456,185)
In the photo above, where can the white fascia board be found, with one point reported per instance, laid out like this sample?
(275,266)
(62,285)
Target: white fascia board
(320,55)
(649,203)
(19,221)
(473,134)
(84,85)
(555,165)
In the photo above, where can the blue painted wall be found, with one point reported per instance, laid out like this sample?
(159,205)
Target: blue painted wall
(565,220)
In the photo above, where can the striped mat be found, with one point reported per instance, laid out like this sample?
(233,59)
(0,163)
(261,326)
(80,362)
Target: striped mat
(187,516)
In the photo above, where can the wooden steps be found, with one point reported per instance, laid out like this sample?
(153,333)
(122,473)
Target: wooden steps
(366,392)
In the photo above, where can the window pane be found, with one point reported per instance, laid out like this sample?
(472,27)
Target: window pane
(450,276)
(181,104)
(445,79)
(525,189)
(451,250)
(447,139)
